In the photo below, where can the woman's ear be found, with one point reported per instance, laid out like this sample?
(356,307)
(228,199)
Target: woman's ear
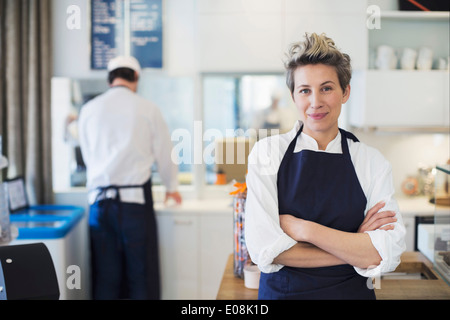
(346,94)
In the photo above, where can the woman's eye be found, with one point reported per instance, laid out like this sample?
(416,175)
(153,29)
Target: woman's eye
(327,89)
(304,91)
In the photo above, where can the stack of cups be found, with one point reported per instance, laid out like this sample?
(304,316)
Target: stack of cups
(425,59)
(386,58)
(410,59)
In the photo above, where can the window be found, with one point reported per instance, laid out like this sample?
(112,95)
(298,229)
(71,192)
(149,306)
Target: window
(173,95)
(245,106)
(237,108)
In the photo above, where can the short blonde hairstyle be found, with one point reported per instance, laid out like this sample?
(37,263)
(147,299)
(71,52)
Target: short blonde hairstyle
(317,49)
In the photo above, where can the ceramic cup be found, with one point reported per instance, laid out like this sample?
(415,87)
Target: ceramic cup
(442,64)
(251,276)
(386,58)
(425,59)
(408,60)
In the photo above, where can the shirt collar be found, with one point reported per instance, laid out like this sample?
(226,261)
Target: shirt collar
(306,142)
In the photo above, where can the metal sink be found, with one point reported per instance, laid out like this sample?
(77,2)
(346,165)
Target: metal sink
(410,271)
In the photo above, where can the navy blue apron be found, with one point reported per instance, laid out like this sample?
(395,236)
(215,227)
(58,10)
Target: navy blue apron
(124,246)
(320,187)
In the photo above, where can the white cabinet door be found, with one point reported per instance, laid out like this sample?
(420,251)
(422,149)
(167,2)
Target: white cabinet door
(242,41)
(179,255)
(343,29)
(405,98)
(216,245)
(254,35)
(399,98)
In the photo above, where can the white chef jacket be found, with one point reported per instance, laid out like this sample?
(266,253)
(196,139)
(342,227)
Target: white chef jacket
(121,136)
(265,239)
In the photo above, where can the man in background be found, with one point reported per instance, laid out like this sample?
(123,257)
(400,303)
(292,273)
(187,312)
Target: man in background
(121,136)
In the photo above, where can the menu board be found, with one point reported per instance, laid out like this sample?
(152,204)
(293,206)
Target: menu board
(126,27)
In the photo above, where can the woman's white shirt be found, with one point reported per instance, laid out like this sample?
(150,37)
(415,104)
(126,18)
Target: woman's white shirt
(265,239)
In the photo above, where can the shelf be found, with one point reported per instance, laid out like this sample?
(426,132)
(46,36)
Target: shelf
(416,15)
(432,71)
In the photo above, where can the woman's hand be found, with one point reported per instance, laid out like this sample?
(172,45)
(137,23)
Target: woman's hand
(292,226)
(375,219)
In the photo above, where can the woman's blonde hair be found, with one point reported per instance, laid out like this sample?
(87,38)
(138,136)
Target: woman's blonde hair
(317,49)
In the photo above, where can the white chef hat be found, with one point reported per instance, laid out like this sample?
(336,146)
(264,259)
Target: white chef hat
(124,62)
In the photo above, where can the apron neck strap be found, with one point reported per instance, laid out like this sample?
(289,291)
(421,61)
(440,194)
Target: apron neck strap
(294,141)
(344,144)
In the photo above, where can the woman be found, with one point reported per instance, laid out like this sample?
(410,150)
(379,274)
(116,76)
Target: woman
(320,212)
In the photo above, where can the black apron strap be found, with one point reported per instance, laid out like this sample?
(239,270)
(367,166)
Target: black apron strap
(102,191)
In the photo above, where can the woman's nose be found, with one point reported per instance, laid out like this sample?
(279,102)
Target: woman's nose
(315,100)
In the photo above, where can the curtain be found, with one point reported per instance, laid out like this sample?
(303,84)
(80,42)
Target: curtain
(25,82)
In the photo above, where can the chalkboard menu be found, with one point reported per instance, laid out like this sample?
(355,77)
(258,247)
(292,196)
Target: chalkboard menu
(126,27)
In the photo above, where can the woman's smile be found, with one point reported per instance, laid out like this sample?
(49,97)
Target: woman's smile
(317,115)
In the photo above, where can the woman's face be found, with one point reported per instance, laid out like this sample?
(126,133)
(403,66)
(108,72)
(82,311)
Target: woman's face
(319,98)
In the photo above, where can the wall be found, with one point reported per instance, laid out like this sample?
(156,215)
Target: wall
(251,35)
(71,49)
(408,151)
(222,35)
(254,35)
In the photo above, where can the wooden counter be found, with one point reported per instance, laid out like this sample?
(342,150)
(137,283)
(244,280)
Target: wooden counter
(434,288)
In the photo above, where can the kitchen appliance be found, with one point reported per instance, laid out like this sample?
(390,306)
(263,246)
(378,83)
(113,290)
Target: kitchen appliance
(442,222)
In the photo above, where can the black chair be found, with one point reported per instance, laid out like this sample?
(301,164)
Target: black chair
(27,273)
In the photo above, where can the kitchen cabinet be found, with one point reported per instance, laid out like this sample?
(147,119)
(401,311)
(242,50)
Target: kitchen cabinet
(240,41)
(399,98)
(253,36)
(216,234)
(195,241)
(343,21)
(178,251)
(402,99)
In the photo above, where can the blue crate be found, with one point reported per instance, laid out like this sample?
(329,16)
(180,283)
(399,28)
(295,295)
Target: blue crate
(46,221)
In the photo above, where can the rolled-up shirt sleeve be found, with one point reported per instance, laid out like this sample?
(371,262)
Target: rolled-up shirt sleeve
(265,239)
(390,244)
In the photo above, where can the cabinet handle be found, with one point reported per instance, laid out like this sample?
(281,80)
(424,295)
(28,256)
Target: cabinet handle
(180,222)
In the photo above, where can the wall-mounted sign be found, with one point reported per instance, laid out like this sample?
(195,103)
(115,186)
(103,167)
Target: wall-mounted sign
(126,27)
